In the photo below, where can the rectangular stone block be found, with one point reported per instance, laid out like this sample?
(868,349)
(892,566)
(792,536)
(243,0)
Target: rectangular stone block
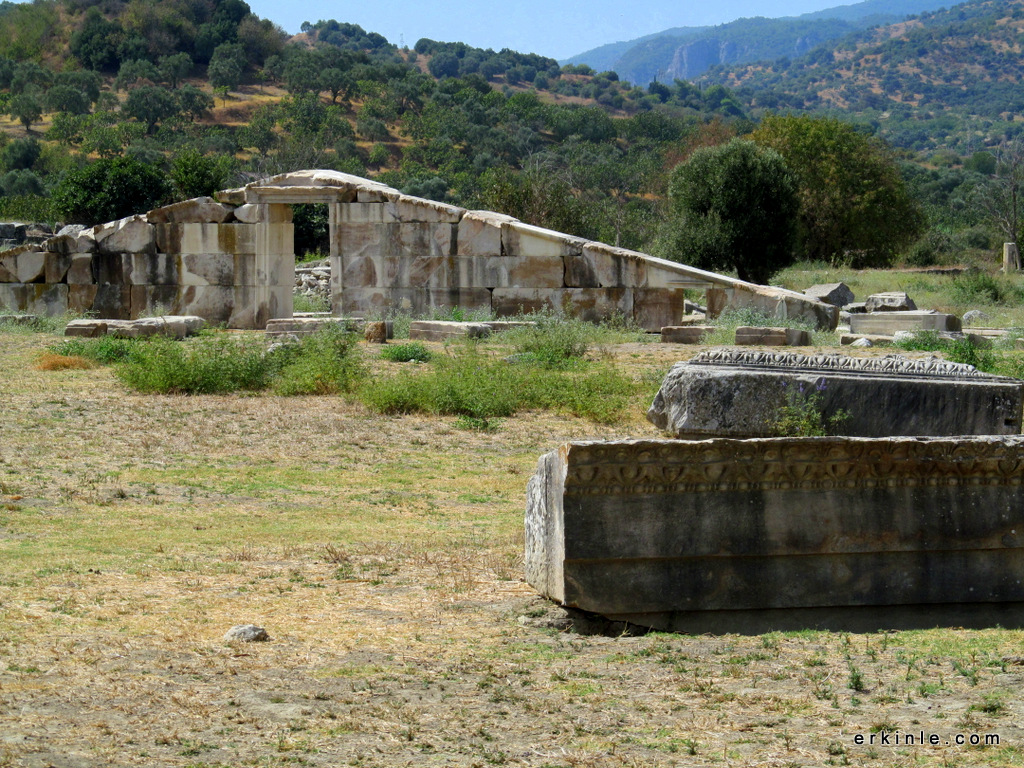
(43,299)
(438,330)
(215,303)
(214,269)
(57,266)
(362,213)
(152,269)
(81,298)
(154,300)
(888,323)
(685,334)
(80,271)
(231,238)
(781,534)
(765,337)
(416,209)
(14,297)
(113,302)
(479,234)
(609,266)
(108,268)
(741,393)
(88,329)
(655,308)
(515,301)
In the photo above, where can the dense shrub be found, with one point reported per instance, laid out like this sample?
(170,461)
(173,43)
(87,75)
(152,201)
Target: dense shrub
(105,349)
(110,189)
(404,353)
(324,363)
(207,365)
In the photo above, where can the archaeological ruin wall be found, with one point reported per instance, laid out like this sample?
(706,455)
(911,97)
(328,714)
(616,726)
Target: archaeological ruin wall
(231,260)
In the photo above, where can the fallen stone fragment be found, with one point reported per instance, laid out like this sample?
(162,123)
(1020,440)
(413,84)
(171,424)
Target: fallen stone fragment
(836,294)
(246,633)
(890,301)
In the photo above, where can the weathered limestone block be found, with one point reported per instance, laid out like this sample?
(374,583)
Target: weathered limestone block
(231,197)
(605,266)
(888,323)
(249,214)
(479,234)
(86,328)
(9,268)
(173,326)
(685,334)
(516,301)
(765,337)
(112,301)
(149,300)
(49,300)
(363,213)
(73,238)
(215,269)
(204,239)
(782,534)
(772,337)
(199,210)
(416,209)
(152,269)
(848,339)
(891,301)
(17,319)
(31,267)
(14,297)
(655,308)
(397,255)
(107,268)
(836,294)
(739,393)
(440,330)
(305,326)
(80,271)
(130,235)
(81,298)
(538,255)
(57,266)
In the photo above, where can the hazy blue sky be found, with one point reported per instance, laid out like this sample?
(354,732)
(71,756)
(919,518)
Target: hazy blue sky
(556,28)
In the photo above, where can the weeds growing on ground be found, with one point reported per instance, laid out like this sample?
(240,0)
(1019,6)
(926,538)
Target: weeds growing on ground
(104,350)
(962,351)
(324,363)
(405,353)
(206,365)
(803,415)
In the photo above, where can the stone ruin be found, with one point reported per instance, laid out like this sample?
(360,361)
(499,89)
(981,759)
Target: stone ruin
(231,260)
(737,393)
(725,535)
(894,528)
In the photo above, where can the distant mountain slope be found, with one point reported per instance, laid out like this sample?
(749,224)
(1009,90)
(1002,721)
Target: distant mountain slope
(687,52)
(957,72)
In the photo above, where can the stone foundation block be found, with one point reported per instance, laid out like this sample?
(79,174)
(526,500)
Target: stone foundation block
(81,298)
(892,301)
(438,330)
(9,268)
(131,235)
(685,334)
(782,534)
(80,271)
(57,266)
(201,210)
(655,308)
(479,234)
(151,269)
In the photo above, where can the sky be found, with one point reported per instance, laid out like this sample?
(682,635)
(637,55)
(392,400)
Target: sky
(555,28)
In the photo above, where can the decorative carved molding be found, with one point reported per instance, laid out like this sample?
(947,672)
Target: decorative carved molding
(818,463)
(894,365)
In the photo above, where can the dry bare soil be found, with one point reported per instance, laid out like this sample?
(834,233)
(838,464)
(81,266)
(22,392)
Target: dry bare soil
(383,556)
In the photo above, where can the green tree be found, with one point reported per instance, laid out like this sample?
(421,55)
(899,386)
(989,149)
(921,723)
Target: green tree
(26,108)
(193,102)
(197,175)
(109,189)
(151,104)
(227,66)
(175,68)
(854,205)
(733,206)
(65,98)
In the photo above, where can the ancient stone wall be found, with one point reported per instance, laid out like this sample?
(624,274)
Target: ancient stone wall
(232,262)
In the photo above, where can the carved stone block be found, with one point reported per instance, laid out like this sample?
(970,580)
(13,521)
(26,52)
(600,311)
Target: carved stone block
(782,534)
(741,393)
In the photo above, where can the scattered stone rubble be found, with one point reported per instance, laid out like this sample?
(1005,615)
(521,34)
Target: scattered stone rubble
(176,327)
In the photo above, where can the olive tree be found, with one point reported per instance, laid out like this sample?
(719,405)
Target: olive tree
(732,206)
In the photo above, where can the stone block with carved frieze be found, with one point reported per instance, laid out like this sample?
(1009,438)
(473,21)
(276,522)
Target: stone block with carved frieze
(754,535)
(740,393)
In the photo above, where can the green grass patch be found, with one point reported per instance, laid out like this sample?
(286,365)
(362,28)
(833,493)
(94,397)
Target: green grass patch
(557,340)
(406,353)
(206,365)
(731,319)
(105,350)
(472,385)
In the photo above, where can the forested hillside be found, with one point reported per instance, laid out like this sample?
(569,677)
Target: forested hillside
(943,80)
(115,107)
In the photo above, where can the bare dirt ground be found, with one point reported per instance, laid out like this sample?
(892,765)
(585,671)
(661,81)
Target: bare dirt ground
(383,556)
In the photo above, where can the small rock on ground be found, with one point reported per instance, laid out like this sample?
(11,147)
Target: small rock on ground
(246,633)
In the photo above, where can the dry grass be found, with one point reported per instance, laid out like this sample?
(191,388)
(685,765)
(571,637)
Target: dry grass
(48,361)
(383,555)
